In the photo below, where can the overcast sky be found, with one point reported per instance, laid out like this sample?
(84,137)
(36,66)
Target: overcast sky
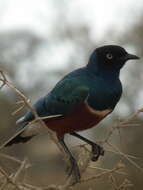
(40,15)
(98,14)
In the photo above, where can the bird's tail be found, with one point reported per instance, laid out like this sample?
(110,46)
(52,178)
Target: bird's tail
(25,132)
(17,138)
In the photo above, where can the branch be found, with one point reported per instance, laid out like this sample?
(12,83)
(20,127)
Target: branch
(84,155)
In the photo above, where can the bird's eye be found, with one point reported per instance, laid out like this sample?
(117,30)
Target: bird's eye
(109,56)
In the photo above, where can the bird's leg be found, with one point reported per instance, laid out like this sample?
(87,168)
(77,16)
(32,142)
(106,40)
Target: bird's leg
(97,150)
(74,167)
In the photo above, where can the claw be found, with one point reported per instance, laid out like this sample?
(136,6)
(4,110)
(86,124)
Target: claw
(74,170)
(97,150)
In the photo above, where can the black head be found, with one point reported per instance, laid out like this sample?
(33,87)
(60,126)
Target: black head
(108,60)
(113,56)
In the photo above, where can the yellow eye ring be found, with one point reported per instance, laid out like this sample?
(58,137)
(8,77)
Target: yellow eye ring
(109,56)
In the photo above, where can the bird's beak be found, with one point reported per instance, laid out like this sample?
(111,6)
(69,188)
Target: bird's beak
(130,56)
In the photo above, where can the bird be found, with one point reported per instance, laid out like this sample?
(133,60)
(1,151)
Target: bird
(79,101)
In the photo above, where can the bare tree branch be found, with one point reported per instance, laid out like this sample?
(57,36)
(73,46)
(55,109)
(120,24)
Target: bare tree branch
(85,154)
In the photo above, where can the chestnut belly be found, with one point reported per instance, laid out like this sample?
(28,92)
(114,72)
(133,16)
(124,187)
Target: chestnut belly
(83,118)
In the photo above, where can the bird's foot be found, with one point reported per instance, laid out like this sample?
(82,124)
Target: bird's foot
(74,170)
(97,150)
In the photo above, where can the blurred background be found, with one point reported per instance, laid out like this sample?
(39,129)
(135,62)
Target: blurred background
(40,42)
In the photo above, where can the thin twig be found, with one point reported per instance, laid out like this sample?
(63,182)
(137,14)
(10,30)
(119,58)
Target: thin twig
(84,155)
(118,167)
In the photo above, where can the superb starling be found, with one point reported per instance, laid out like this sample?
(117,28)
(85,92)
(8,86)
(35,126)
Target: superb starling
(80,101)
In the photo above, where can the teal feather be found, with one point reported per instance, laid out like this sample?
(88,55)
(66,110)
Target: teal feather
(85,96)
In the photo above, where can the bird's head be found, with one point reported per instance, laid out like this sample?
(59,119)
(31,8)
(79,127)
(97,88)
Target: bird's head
(109,59)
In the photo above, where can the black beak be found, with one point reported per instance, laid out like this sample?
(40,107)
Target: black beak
(130,56)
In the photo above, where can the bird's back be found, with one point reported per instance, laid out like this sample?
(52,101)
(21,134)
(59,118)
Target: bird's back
(103,94)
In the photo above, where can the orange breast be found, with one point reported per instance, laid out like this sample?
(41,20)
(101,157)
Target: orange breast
(83,118)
